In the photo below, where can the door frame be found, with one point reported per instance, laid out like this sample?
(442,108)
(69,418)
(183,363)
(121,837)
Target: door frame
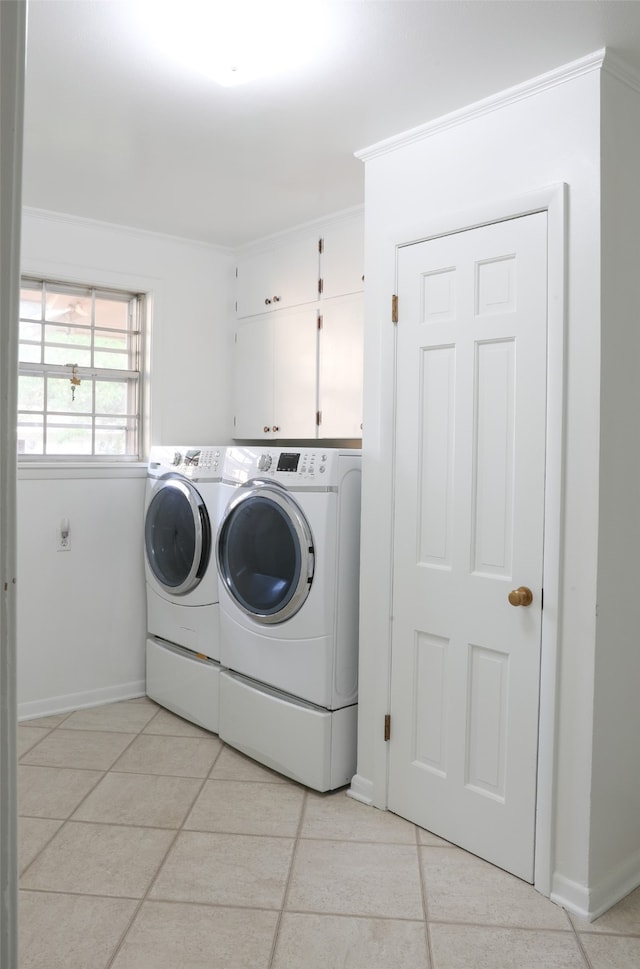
(552,200)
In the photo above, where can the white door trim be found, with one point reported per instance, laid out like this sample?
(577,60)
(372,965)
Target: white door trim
(552,200)
(12,45)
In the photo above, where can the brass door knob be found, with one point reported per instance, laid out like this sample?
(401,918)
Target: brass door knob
(521,596)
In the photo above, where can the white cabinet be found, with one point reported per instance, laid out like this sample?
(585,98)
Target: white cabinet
(275,376)
(299,334)
(342,258)
(282,275)
(340,342)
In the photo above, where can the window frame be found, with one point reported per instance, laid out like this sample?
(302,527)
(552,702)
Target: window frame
(136,330)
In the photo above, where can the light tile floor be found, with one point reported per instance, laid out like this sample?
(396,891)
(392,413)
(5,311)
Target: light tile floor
(146,843)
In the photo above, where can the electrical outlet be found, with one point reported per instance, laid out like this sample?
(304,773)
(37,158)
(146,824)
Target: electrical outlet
(64,542)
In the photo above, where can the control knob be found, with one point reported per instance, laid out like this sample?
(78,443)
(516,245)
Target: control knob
(264,462)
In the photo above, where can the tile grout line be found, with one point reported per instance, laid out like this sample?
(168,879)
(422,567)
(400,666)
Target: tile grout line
(425,900)
(581,948)
(285,894)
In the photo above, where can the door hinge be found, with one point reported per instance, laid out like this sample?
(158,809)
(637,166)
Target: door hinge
(320,286)
(318,418)
(394,308)
(320,321)
(320,246)
(387,726)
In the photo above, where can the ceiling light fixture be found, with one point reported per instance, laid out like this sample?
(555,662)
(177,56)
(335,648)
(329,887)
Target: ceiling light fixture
(236,41)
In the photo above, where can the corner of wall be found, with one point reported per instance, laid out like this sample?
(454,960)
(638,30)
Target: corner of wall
(591,902)
(361,789)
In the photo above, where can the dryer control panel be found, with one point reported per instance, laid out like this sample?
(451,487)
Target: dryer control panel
(291,467)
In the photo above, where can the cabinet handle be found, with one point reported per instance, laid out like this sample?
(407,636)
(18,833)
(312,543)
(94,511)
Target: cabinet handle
(266,429)
(275,428)
(276,299)
(267,301)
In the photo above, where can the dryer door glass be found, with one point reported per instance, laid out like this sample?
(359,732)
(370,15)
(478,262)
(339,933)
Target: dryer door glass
(177,536)
(265,553)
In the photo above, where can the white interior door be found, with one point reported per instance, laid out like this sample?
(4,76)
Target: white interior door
(468,530)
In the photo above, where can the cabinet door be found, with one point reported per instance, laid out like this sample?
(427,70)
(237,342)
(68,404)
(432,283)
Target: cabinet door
(295,342)
(281,276)
(253,379)
(342,259)
(340,367)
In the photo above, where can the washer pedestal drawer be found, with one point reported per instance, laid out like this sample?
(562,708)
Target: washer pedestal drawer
(183,683)
(313,746)
(197,628)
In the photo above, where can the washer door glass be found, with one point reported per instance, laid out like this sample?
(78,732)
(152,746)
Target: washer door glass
(265,552)
(177,536)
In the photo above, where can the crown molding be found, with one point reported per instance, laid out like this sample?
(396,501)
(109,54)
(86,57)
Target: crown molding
(520,92)
(81,221)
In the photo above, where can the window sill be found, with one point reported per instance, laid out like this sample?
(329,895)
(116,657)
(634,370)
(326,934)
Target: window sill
(41,470)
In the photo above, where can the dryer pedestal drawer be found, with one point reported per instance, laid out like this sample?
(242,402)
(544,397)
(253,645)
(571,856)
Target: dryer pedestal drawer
(183,683)
(311,745)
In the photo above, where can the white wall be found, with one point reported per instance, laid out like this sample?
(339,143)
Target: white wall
(423,185)
(81,613)
(615,816)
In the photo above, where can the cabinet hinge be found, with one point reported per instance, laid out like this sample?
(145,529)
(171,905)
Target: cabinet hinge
(321,246)
(318,418)
(320,286)
(320,321)
(394,308)
(387,726)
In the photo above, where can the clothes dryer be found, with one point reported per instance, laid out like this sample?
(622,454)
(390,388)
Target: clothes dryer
(288,550)
(180,522)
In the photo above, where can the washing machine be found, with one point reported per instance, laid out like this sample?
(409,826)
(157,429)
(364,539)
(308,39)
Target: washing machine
(287,551)
(182,508)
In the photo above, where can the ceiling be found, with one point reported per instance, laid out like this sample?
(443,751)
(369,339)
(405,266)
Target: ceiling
(117,131)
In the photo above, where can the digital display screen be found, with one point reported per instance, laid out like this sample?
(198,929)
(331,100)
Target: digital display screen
(288,461)
(192,457)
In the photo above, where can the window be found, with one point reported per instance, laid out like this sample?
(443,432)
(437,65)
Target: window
(79,371)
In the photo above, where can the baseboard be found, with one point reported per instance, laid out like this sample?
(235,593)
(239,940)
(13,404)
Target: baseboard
(32,709)
(591,903)
(361,789)
(570,895)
